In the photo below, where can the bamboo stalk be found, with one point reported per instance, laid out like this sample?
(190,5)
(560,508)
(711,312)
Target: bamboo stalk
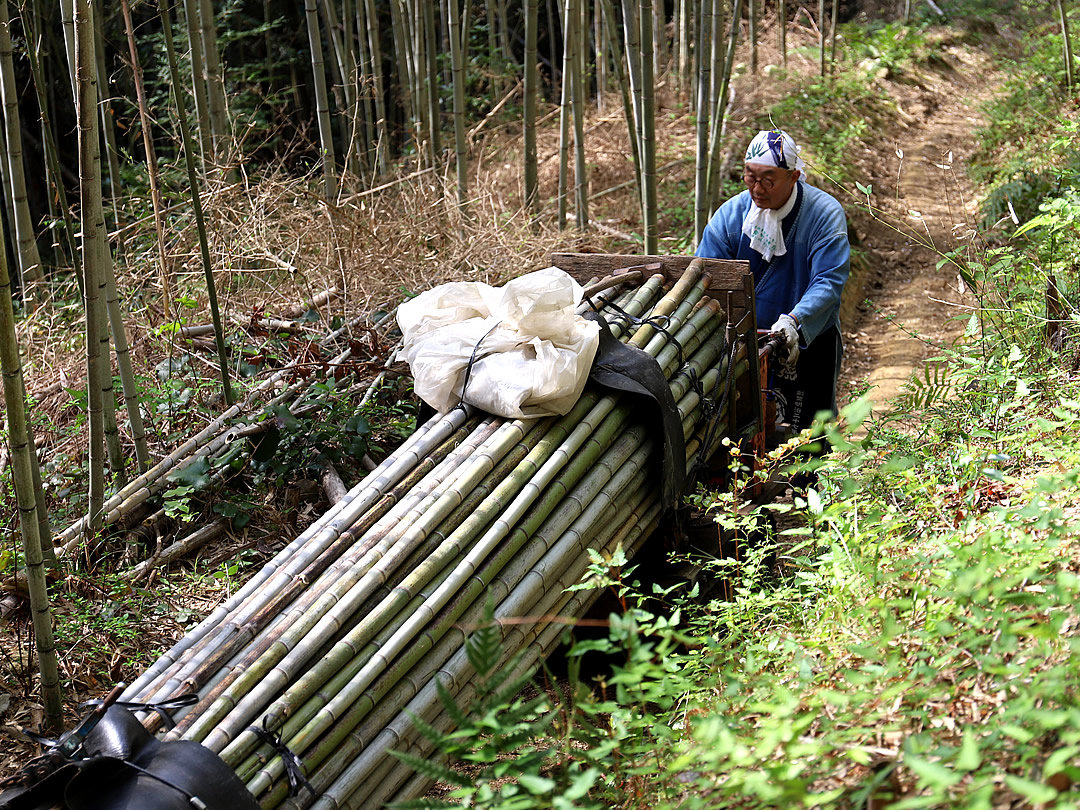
(291,560)
(625,461)
(334,536)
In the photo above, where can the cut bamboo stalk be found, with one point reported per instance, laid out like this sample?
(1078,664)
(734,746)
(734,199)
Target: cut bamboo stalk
(291,560)
(523,596)
(519,559)
(680,290)
(345,570)
(520,597)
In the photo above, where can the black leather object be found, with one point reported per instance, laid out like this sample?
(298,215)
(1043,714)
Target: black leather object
(126,768)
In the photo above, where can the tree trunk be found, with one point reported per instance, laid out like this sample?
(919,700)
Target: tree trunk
(681,47)
(432,79)
(457,59)
(821,34)
(704,110)
(23,460)
(720,112)
(58,207)
(577,101)
(752,14)
(564,110)
(67,22)
(196,200)
(532,185)
(382,135)
(1066,42)
(553,20)
(648,131)
(199,92)
(781,17)
(164,275)
(322,103)
(107,128)
(624,90)
(29,259)
(832,35)
(422,87)
(403,65)
(220,131)
(600,44)
(93,251)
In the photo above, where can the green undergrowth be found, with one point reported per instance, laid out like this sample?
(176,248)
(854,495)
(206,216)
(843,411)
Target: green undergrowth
(912,643)
(908,640)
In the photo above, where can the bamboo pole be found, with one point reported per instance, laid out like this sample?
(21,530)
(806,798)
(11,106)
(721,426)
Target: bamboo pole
(322,103)
(30,271)
(290,563)
(648,130)
(199,91)
(515,527)
(1066,43)
(552,499)
(21,445)
(196,203)
(531,84)
(565,101)
(577,101)
(164,274)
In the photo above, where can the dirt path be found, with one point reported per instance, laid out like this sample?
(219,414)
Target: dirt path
(914,306)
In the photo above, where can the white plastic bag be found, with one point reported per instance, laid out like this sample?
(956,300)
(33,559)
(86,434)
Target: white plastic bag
(533,351)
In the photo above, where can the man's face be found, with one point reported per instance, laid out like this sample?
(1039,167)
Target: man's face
(770,186)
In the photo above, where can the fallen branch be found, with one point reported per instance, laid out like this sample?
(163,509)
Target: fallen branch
(332,484)
(180,548)
(320,300)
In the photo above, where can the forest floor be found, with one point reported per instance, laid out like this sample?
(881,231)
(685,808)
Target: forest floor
(924,206)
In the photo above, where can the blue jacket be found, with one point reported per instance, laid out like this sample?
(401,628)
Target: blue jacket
(807,280)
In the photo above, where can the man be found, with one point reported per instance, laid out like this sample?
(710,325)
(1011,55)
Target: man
(796,239)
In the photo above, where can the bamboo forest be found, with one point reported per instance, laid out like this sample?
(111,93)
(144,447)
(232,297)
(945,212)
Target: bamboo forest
(540,404)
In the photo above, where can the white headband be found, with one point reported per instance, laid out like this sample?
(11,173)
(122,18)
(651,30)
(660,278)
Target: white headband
(774,147)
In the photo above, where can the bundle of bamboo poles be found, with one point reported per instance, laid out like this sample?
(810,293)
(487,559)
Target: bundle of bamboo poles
(321,659)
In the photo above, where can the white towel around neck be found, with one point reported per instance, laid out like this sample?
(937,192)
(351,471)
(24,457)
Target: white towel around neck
(764,226)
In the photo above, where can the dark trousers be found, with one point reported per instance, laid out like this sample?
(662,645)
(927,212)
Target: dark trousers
(814,386)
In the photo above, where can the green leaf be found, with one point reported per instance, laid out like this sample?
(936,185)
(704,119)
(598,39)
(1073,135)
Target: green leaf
(195,475)
(932,774)
(536,785)
(1034,792)
(972,327)
(969,758)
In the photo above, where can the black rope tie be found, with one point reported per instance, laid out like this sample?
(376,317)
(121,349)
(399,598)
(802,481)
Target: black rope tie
(474,358)
(294,768)
(660,323)
(162,708)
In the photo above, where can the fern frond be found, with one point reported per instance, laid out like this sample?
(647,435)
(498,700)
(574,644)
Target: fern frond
(457,713)
(433,769)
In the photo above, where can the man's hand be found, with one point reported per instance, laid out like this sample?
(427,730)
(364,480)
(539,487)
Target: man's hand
(787,327)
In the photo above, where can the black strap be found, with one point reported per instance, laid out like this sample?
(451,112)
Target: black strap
(629,370)
(162,707)
(473,358)
(294,768)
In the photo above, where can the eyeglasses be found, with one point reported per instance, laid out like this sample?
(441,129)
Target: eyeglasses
(767,183)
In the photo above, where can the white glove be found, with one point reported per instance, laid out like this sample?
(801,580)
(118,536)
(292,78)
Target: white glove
(787,327)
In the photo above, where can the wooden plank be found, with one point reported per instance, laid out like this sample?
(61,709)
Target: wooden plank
(724,274)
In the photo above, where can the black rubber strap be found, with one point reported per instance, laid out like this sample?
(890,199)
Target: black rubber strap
(294,768)
(629,370)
